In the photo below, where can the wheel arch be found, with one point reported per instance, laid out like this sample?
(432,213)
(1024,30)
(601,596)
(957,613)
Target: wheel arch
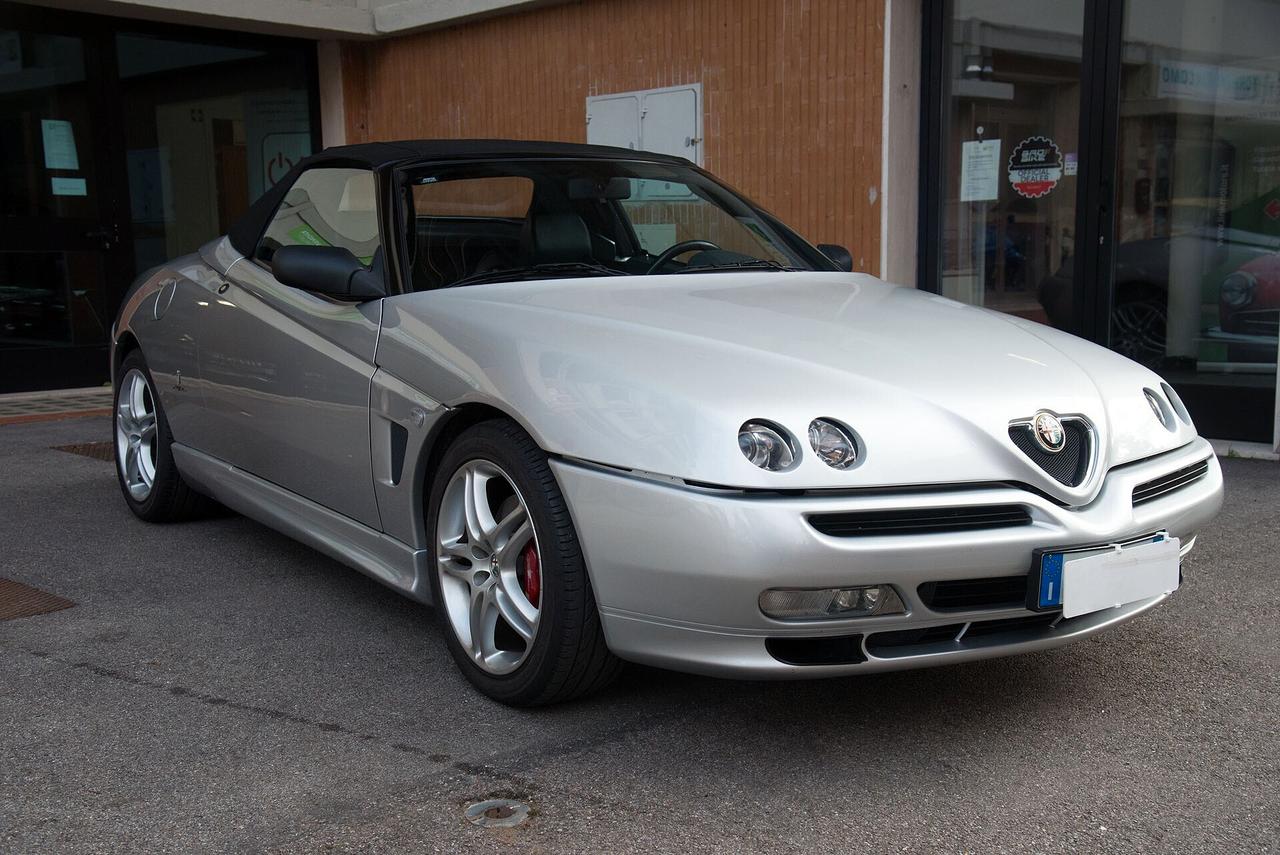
(446,429)
(126,342)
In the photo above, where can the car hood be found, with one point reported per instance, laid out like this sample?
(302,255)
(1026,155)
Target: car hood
(657,373)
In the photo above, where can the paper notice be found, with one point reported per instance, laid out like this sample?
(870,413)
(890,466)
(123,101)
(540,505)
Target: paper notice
(59,144)
(979,170)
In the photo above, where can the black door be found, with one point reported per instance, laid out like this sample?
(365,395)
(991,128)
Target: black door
(63,257)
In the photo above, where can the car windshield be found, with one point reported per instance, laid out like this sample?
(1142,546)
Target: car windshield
(502,221)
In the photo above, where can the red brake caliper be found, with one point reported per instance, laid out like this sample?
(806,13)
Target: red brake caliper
(530,573)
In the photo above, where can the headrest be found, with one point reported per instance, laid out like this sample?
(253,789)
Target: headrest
(358,194)
(558,238)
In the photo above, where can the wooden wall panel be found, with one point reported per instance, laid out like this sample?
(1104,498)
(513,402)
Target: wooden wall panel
(792,91)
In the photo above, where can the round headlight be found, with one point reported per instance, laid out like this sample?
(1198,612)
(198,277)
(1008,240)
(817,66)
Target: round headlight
(1162,410)
(1237,289)
(1178,407)
(766,445)
(833,443)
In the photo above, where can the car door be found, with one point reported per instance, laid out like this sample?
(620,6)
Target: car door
(285,371)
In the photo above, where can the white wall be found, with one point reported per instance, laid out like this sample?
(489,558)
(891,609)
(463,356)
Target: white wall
(303,18)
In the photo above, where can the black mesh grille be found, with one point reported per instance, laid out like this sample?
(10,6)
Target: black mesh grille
(1067,466)
(1158,487)
(997,592)
(919,520)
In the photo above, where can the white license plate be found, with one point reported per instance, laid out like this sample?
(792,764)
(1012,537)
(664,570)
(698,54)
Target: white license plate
(1109,576)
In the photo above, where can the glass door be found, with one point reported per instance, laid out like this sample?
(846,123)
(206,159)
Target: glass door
(1196,285)
(60,244)
(1010,138)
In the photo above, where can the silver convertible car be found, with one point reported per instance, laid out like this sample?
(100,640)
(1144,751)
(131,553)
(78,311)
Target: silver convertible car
(596,406)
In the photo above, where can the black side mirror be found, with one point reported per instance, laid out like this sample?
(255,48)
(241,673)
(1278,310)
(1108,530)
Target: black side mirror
(329,270)
(839,256)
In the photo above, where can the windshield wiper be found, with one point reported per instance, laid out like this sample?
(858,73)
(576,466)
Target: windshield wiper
(537,271)
(753,264)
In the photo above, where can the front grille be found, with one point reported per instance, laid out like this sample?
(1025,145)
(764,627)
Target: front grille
(1165,484)
(919,520)
(997,592)
(1068,466)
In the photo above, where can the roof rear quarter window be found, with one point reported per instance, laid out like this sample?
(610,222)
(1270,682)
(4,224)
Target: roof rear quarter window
(326,206)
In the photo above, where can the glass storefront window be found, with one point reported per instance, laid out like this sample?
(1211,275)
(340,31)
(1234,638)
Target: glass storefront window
(124,144)
(209,127)
(1197,257)
(1011,109)
(1178,263)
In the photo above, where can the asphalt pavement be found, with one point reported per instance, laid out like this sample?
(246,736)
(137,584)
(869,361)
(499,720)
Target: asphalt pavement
(219,687)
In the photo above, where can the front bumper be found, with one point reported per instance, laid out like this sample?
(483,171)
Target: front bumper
(677,571)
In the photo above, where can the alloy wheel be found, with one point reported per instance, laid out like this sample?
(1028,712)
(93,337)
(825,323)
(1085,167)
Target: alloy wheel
(136,434)
(1138,331)
(489,566)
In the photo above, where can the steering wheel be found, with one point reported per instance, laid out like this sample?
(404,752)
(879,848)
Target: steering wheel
(672,251)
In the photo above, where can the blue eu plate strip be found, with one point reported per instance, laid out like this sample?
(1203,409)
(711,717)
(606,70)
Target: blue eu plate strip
(1051,580)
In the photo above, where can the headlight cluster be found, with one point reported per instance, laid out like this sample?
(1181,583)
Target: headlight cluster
(771,447)
(767,446)
(1237,289)
(1167,406)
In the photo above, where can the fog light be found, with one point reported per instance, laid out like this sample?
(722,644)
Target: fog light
(818,603)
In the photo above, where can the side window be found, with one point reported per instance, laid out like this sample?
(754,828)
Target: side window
(326,206)
(464,226)
(505,196)
(664,213)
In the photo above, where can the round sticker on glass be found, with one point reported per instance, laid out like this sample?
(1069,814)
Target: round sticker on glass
(1035,167)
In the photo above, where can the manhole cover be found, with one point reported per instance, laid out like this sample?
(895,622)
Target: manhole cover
(19,600)
(498,813)
(96,450)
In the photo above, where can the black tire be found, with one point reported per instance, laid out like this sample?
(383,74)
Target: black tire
(170,499)
(568,657)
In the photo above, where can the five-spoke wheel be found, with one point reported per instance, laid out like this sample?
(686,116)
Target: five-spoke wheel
(490,571)
(149,479)
(136,434)
(510,584)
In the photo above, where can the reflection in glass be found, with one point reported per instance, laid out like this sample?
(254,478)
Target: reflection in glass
(208,128)
(1197,272)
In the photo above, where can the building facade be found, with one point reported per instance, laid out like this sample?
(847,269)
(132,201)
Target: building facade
(1111,167)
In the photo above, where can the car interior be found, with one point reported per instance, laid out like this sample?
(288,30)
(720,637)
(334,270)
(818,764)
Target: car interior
(471,222)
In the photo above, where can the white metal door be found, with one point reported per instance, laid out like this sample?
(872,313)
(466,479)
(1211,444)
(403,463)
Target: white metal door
(667,120)
(614,120)
(671,122)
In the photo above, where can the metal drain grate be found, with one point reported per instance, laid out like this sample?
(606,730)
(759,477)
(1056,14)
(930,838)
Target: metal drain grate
(96,450)
(18,600)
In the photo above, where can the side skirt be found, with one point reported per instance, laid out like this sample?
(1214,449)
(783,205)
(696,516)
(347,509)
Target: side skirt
(393,563)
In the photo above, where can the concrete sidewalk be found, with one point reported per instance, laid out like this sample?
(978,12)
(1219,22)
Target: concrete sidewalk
(23,407)
(218,687)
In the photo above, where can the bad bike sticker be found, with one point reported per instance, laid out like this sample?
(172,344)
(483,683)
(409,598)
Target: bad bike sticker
(1035,167)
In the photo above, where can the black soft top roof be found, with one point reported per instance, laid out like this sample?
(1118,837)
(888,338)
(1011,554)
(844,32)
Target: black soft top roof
(245,232)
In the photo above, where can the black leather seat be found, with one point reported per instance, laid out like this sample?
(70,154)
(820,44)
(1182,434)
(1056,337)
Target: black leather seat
(557,238)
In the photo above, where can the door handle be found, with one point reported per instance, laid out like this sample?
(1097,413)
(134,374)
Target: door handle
(106,234)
